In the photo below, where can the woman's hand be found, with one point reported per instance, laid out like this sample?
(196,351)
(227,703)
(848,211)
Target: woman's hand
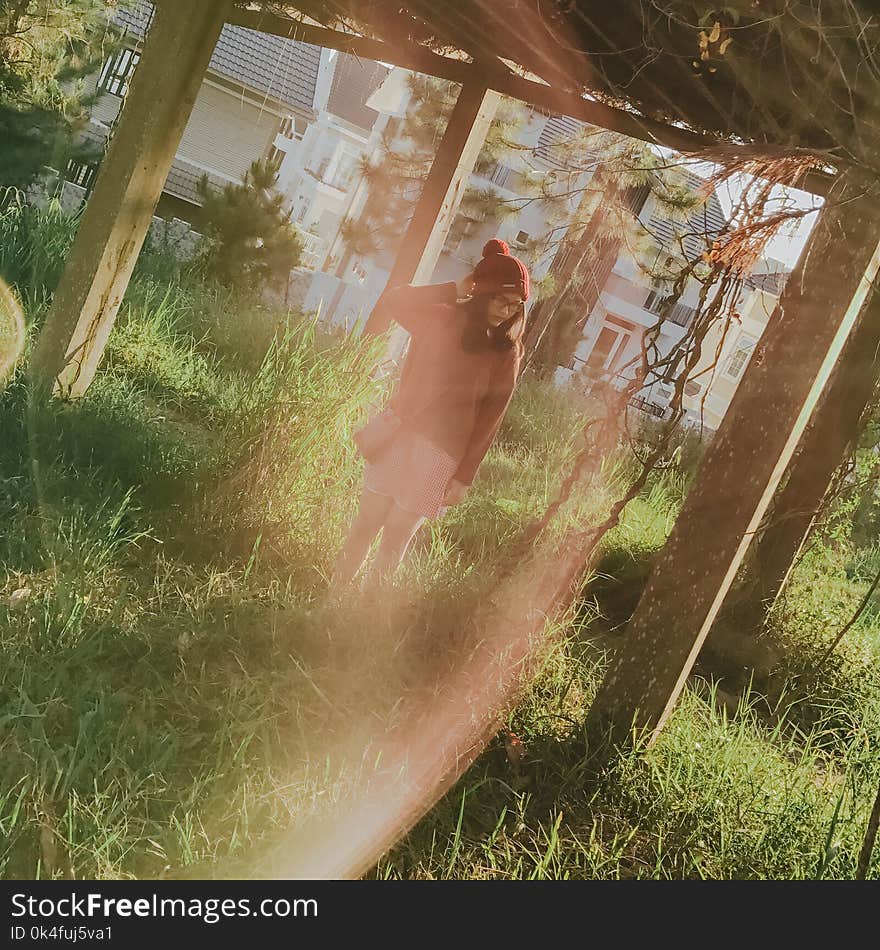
(455,493)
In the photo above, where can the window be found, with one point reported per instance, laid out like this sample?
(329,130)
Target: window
(289,129)
(608,350)
(740,356)
(276,157)
(498,174)
(345,169)
(657,296)
(79,173)
(321,168)
(679,313)
(117,72)
(460,233)
(521,239)
(634,198)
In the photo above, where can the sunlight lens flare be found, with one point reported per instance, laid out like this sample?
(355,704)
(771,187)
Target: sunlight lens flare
(12,332)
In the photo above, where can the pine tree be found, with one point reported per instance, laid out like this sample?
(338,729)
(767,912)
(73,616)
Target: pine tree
(251,240)
(45,47)
(619,172)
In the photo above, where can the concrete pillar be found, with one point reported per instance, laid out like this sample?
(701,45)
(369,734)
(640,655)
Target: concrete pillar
(824,301)
(175,56)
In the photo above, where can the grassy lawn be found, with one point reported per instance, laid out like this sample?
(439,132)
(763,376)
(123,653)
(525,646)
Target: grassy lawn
(178,690)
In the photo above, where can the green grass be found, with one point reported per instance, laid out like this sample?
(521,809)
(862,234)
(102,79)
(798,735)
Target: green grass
(723,795)
(177,692)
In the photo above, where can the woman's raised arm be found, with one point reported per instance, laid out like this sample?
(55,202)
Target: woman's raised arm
(406,305)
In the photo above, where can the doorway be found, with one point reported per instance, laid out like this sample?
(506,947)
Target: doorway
(608,350)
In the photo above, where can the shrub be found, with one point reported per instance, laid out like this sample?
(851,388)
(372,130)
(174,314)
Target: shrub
(251,240)
(34,243)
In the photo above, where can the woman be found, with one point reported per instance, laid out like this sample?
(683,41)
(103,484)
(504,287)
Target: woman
(456,384)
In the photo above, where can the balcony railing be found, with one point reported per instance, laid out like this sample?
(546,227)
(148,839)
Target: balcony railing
(643,401)
(645,405)
(314,249)
(680,314)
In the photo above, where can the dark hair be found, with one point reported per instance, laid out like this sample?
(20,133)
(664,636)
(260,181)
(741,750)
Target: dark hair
(479,334)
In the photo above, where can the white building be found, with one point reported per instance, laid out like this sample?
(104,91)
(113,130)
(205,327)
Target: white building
(629,303)
(531,231)
(319,169)
(729,346)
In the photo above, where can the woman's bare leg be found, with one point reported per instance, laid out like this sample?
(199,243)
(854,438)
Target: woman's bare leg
(398,530)
(372,513)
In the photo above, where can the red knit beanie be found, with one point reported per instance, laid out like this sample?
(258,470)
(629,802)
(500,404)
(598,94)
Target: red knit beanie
(499,272)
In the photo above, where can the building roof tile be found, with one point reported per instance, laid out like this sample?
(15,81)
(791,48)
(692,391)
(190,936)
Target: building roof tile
(284,70)
(354,81)
(183,180)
